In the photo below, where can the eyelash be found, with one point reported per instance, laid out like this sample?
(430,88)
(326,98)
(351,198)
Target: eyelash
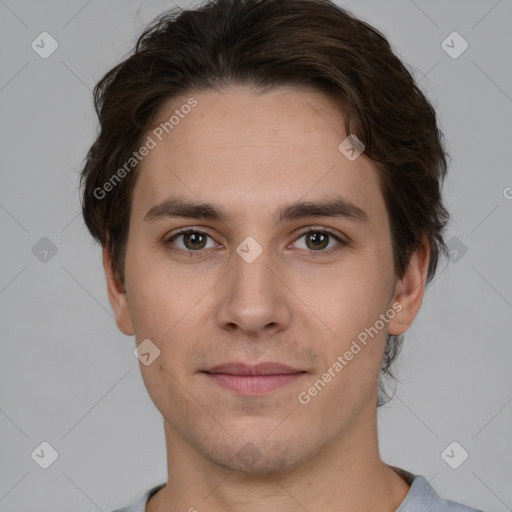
(316,254)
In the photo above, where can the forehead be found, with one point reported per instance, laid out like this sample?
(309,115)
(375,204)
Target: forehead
(250,151)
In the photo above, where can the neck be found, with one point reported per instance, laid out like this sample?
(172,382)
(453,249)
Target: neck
(346,475)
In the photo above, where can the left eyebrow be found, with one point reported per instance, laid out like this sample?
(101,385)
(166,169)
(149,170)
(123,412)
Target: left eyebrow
(337,207)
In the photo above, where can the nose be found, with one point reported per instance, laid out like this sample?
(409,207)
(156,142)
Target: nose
(254,297)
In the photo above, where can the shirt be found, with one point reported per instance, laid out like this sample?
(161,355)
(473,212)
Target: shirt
(420,498)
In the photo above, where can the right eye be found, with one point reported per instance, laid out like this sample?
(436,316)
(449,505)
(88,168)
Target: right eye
(192,240)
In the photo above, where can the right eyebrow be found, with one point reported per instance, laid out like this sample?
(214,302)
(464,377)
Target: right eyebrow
(176,207)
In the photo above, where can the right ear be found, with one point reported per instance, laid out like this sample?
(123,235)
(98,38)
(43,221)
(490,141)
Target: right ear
(117,296)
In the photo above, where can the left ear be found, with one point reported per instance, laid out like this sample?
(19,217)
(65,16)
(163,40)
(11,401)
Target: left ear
(409,290)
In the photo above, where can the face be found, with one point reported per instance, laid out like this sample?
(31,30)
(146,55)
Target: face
(288,261)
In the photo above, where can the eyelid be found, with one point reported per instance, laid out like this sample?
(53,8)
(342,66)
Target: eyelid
(321,229)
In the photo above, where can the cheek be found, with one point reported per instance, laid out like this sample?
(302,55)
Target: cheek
(347,300)
(161,297)
(350,304)
(352,353)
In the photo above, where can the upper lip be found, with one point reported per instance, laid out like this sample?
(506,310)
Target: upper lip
(267,368)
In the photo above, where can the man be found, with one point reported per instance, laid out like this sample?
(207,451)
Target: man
(266,187)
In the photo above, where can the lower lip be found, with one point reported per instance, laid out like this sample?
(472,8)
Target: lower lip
(253,384)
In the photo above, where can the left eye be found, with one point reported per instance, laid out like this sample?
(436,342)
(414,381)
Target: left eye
(317,240)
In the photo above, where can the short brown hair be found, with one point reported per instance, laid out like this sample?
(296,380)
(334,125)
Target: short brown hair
(264,44)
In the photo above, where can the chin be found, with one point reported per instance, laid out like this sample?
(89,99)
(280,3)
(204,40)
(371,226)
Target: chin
(259,455)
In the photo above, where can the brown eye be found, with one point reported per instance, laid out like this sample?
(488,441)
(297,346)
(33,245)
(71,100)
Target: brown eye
(191,241)
(317,240)
(194,241)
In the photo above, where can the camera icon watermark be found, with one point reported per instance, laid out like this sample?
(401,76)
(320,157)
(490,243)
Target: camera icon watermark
(146,352)
(454,455)
(351,147)
(44,455)
(44,250)
(249,454)
(44,45)
(249,249)
(454,45)
(456,249)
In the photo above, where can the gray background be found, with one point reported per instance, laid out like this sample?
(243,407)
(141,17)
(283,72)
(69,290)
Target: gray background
(69,377)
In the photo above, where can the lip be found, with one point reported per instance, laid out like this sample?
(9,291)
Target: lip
(259,379)
(267,368)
